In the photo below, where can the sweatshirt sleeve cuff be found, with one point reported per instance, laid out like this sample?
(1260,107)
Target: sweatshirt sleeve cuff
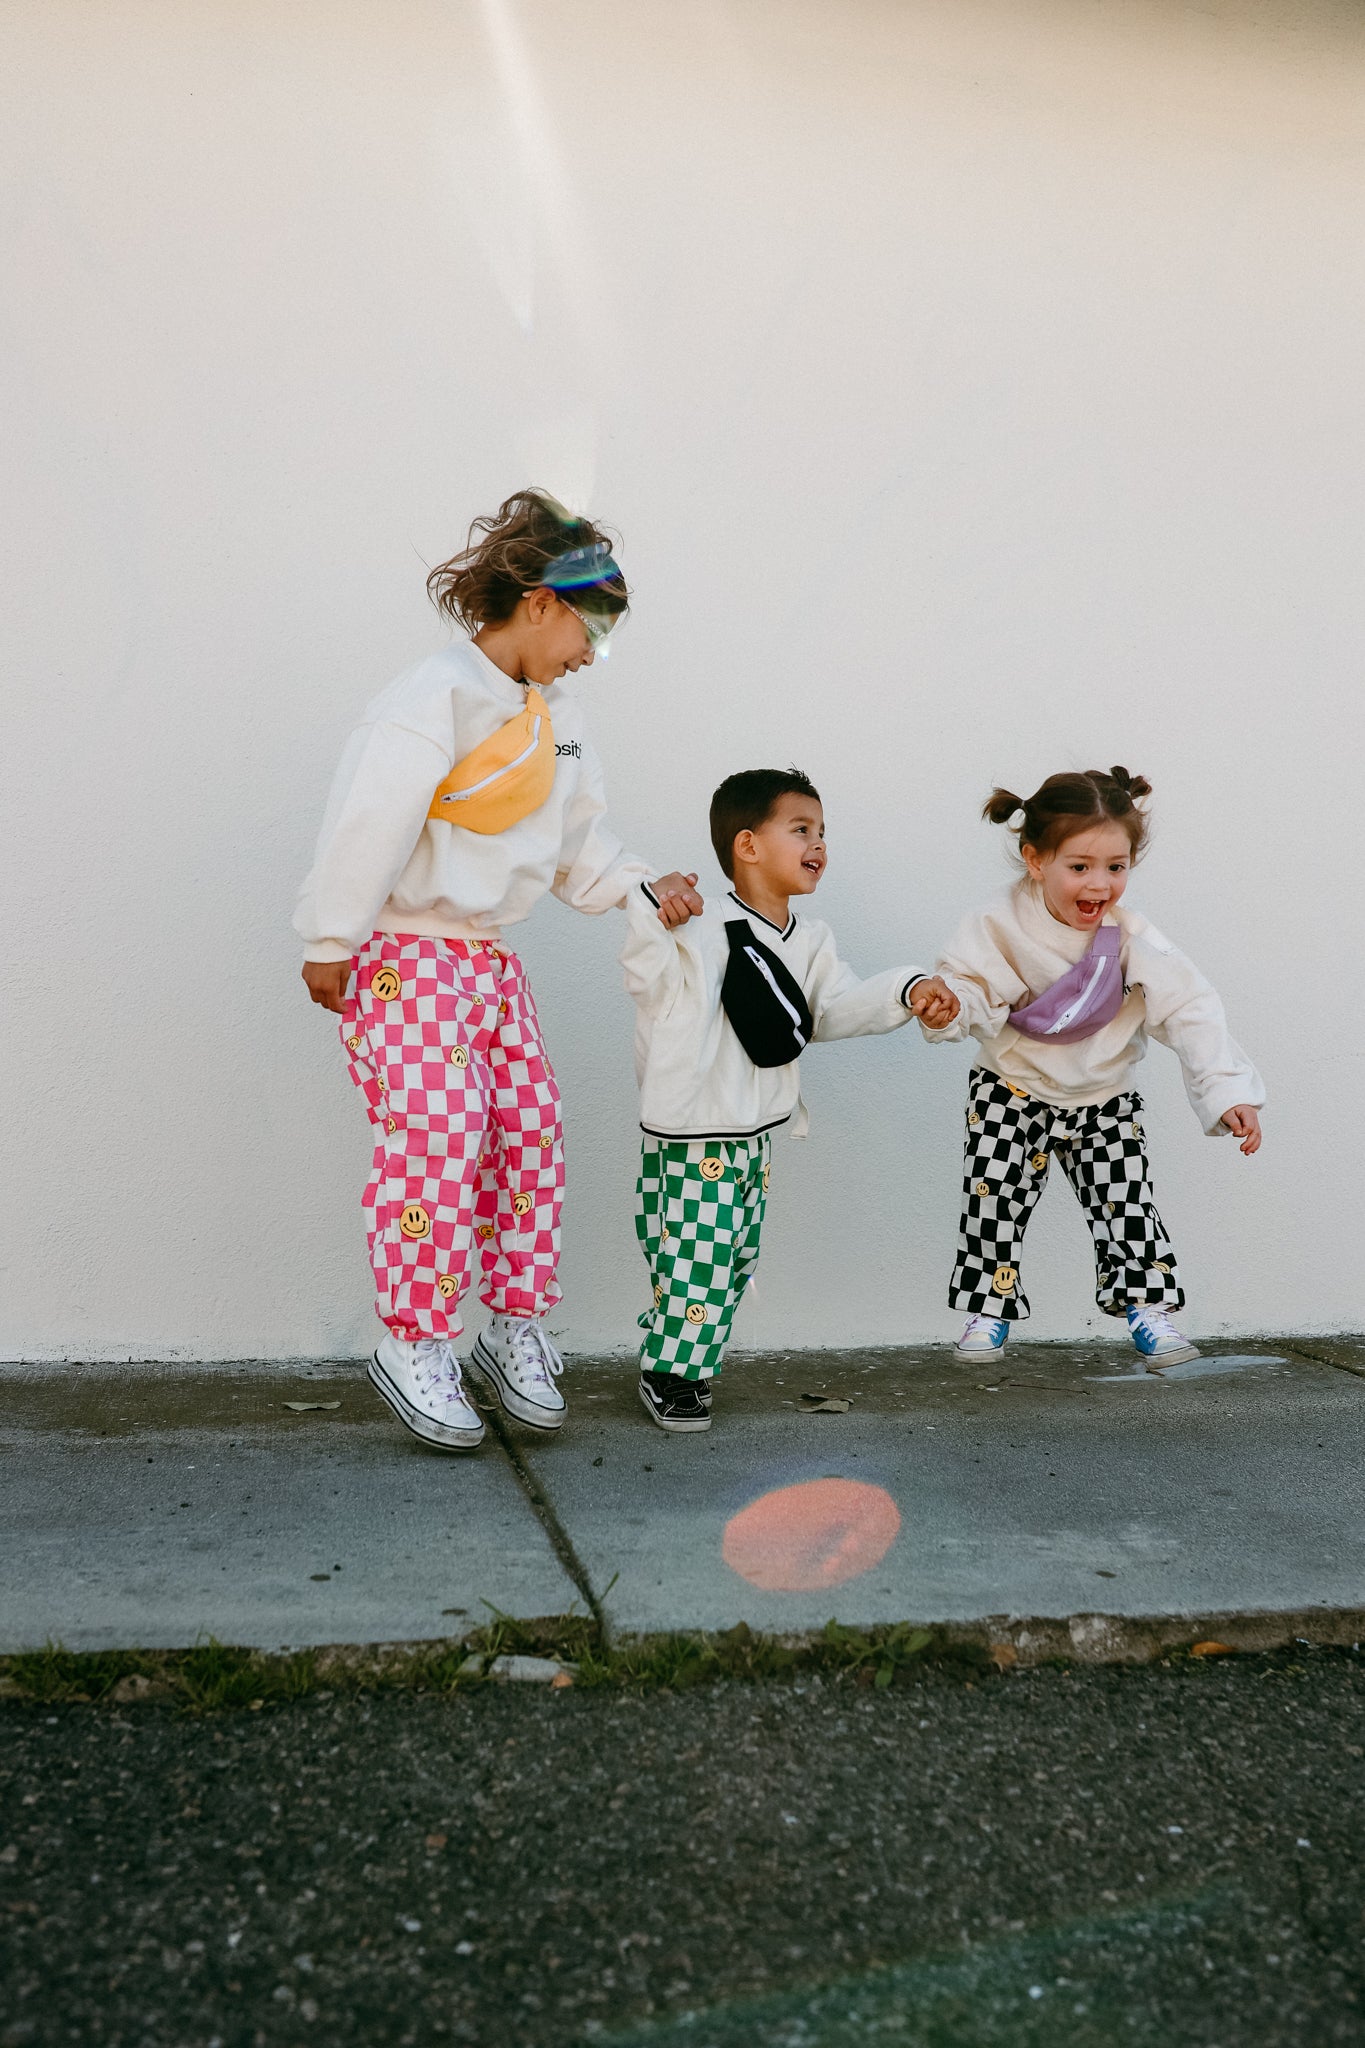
(905,992)
(325,951)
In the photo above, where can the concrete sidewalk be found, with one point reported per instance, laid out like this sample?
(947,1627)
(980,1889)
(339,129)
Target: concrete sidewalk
(1060,1501)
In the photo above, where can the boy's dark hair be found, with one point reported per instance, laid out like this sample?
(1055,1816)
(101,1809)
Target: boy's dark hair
(1065,805)
(507,554)
(747,800)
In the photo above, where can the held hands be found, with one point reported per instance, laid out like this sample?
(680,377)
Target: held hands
(678,900)
(327,981)
(934,1003)
(1244,1123)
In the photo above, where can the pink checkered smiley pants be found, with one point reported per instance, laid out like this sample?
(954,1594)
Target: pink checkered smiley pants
(444,1044)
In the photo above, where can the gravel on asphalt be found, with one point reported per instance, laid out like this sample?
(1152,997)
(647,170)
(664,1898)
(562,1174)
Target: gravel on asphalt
(1157,1854)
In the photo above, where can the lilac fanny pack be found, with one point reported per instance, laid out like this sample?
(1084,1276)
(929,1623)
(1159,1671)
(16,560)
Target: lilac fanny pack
(1088,996)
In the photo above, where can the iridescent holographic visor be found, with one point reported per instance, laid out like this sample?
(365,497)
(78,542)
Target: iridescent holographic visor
(583,579)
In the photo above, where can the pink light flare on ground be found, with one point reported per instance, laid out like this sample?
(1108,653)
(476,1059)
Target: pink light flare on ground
(800,1539)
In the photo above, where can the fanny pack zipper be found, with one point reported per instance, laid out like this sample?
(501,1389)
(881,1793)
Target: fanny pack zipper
(462,796)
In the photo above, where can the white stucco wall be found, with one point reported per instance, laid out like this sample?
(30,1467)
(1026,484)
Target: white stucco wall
(978,390)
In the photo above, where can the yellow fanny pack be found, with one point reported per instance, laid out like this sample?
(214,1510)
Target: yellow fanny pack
(506,778)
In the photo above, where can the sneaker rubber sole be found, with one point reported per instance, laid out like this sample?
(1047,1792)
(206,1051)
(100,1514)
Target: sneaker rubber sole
(1170,1357)
(517,1405)
(436,1434)
(674,1427)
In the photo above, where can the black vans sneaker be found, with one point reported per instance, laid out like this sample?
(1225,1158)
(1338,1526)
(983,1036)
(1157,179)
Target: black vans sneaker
(674,1403)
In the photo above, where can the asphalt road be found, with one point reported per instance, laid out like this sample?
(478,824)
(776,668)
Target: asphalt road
(1096,1856)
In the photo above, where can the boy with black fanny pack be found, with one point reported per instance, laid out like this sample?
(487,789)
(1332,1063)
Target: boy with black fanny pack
(726,1003)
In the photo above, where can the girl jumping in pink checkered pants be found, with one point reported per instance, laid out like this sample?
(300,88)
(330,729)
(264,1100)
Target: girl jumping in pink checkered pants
(467,791)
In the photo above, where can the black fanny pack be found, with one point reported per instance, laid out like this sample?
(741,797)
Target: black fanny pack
(766,1007)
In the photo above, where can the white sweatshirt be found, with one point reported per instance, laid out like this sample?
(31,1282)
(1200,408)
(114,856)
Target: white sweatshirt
(696,1080)
(382,865)
(1009,954)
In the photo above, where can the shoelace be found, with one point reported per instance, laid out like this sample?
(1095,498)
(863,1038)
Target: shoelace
(1155,1322)
(437,1370)
(533,1352)
(975,1323)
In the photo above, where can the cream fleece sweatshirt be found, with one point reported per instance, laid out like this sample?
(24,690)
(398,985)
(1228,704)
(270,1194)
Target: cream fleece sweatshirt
(382,865)
(1005,956)
(696,1080)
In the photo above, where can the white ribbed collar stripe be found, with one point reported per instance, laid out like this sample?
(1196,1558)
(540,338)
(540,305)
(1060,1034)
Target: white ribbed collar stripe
(783,932)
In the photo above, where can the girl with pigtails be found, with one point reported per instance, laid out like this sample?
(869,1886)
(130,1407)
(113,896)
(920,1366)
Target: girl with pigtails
(467,791)
(1061,983)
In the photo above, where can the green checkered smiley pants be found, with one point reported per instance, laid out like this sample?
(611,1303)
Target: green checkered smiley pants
(698,1215)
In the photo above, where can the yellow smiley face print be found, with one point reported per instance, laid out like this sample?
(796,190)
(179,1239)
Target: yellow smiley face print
(983,1187)
(521,1204)
(353,1043)
(547,1139)
(696,1312)
(711,1169)
(459,1055)
(385,984)
(414,1221)
(1015,1089)
(485,1231)
(392,1125)
(658,1296)
(1039,1161)
(767,1178)
(445,1286)
(1004,1280)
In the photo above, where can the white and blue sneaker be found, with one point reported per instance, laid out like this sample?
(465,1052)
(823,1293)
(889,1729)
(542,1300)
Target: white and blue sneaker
(983,1335)
(1157,1340)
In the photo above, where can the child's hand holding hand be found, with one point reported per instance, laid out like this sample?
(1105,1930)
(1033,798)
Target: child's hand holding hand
(1244,1123)
(678,899)
(934,1003)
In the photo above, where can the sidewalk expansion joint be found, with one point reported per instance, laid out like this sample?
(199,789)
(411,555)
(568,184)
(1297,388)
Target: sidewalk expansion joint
(543,1510)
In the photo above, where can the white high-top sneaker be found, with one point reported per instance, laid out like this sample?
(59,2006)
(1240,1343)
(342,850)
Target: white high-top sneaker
(522,1366)
(422,1384)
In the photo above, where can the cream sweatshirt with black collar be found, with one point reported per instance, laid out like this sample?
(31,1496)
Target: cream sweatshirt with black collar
(696,1080)
(383,865)
(1003,957)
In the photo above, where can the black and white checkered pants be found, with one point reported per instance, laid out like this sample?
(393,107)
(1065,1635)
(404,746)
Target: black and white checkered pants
(1011,1138)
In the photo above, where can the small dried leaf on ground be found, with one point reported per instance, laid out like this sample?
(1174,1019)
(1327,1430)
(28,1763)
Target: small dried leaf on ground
(824,1404)
(301,1407)
(1212,1650)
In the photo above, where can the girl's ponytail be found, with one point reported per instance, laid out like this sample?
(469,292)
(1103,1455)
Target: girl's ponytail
(1132,785)
(1001,805)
